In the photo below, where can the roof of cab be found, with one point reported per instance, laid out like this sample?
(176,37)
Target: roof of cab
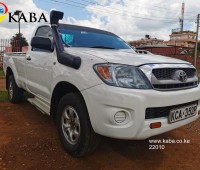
(83,28)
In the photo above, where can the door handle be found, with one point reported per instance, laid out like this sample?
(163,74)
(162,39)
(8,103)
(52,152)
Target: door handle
(28,58)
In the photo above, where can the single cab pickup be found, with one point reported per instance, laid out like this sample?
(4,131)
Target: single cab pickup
(94,84)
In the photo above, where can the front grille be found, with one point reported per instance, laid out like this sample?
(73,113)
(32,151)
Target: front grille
(175,86)
(157,112)
(168,78)
(167,73)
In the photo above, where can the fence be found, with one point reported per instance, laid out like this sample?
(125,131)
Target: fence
(166,50)
(189,59)
(6,45)
(174,52)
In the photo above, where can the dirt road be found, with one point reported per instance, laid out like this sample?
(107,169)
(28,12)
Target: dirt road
(28,140)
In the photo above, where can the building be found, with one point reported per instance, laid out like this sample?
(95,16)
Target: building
(182,39)
(146,41)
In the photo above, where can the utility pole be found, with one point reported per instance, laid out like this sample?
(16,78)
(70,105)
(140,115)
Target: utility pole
(17,12)
(182,17)
(196,45)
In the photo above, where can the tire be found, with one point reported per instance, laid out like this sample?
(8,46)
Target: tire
(15,94)
(78,138)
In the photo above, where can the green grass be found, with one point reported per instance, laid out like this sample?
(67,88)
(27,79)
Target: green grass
(1,73)
(3,96)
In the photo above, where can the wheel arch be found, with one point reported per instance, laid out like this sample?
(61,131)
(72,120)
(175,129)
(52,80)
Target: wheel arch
(9,72)
(62,88)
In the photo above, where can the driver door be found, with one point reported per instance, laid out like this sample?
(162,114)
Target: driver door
(38,67)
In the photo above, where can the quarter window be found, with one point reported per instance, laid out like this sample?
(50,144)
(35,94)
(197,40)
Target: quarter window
(44,31)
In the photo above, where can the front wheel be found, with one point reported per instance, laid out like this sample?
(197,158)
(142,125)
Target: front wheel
(74,127)
(15,94)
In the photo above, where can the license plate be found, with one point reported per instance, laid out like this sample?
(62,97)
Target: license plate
(178,114)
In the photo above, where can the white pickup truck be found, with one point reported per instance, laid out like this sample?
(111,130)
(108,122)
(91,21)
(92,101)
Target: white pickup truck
(93,83)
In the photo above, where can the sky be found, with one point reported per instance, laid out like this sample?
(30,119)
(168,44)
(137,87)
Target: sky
(129,19)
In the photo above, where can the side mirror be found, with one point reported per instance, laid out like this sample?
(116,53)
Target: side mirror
(41,43)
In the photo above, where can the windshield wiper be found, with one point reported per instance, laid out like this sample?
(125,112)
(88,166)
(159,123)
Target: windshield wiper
(103,47)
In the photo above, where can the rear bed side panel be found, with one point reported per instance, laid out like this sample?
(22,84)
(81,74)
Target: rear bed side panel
(16,61)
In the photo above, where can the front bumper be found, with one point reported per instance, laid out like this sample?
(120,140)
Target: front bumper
(104,101)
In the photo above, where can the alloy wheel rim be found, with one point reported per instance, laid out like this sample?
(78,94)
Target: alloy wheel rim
(11,90)
(70,125)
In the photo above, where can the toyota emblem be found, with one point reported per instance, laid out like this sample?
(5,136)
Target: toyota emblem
(181,75)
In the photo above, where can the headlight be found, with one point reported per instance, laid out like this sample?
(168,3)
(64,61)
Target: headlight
(122,76)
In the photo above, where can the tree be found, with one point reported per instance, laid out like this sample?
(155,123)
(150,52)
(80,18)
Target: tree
(18,41)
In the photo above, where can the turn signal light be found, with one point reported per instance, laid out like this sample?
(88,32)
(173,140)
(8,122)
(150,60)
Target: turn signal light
(104,71)
(155,125)
(199,112)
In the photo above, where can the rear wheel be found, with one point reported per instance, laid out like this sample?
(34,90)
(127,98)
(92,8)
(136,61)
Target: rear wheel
(74,127)
(15,94)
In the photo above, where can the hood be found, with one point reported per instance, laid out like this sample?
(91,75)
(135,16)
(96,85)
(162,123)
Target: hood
(129,57)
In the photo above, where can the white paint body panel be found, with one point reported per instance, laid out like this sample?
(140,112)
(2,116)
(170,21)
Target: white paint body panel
(40,76)
(129,57)
(105,101)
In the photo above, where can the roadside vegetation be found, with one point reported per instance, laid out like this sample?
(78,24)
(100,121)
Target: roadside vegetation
(1,73)
(3,96)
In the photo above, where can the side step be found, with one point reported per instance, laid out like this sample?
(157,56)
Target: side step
(40,105)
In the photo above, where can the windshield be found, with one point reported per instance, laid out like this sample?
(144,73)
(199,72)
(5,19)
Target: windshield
(91,39)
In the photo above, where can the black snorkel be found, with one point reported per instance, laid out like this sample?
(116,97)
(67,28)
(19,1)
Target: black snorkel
(62,56)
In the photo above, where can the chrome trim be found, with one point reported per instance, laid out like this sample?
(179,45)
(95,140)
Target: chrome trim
(173,89)
(154,80)
(148,68)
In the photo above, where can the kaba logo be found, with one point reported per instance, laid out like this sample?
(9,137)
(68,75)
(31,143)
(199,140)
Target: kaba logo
(3,11)
(33,17)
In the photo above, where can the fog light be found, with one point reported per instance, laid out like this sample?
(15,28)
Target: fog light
(155,125)
(120,117)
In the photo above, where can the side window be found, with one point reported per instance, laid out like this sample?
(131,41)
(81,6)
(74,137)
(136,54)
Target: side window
(44,32)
